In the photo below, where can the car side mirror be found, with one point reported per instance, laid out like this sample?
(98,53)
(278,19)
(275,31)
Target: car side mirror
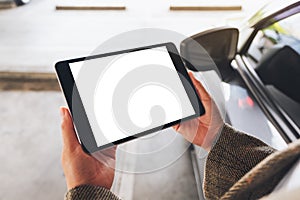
(217,48)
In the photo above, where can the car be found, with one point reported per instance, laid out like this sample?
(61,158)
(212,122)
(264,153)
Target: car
(259,64)
(16,2)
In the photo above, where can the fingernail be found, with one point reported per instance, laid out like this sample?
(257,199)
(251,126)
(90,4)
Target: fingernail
(62,112)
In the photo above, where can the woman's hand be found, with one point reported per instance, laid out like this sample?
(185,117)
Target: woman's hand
(203,130)
(79,167)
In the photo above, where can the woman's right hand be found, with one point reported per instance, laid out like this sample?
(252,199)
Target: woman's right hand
(203,130)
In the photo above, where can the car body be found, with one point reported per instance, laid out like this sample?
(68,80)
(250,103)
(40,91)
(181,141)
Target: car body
(16,2)
(274,38)
(259,64)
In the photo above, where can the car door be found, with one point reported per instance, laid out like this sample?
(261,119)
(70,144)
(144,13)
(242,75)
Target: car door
(270,66)
(209,54)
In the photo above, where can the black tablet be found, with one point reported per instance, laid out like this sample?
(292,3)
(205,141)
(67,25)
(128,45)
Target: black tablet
(116,97)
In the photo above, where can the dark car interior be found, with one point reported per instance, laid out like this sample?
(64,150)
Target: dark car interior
(274,55)
(279,70)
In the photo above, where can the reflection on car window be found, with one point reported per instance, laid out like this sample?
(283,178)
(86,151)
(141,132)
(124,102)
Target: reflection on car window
(275,52)
(283,33)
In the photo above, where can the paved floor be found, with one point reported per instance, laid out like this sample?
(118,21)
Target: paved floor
(176,181)
(31,145)
(35,36)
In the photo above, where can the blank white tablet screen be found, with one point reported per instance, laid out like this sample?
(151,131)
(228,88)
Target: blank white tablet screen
(142,104)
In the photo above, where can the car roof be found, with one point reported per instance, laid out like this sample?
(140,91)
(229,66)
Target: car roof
(270,10)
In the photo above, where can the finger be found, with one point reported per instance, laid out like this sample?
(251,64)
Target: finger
(110,152)
(176,127)
(105,160)
(200,89)
(70,140)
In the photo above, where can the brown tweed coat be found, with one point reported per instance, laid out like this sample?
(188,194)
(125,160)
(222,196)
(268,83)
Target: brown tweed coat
(238,167)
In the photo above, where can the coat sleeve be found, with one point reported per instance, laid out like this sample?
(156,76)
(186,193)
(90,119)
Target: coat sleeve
(90,192)
(233,155)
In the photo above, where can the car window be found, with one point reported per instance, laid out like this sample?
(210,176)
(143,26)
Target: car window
(275,56)
(284,32)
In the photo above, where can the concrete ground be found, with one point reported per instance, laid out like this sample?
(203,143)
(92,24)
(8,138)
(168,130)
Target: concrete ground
(31,146)
(35,36)
(176,182)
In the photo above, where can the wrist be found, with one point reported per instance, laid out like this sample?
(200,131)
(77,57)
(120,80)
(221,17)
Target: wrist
(89,192)
(218,134)
(212,136)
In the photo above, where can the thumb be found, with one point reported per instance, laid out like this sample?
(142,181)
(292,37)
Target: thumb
(204,96)
(70,140)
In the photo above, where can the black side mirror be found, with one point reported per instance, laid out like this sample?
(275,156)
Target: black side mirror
(217,47)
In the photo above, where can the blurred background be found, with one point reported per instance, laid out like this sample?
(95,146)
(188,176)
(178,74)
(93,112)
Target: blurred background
(33,37)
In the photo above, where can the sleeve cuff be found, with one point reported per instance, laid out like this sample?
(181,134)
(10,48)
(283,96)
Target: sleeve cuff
(233,155)
(90,192)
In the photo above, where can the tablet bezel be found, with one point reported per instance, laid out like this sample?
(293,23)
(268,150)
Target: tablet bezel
(81,122)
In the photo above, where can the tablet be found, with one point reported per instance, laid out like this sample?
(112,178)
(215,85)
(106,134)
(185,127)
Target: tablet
(119,96)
